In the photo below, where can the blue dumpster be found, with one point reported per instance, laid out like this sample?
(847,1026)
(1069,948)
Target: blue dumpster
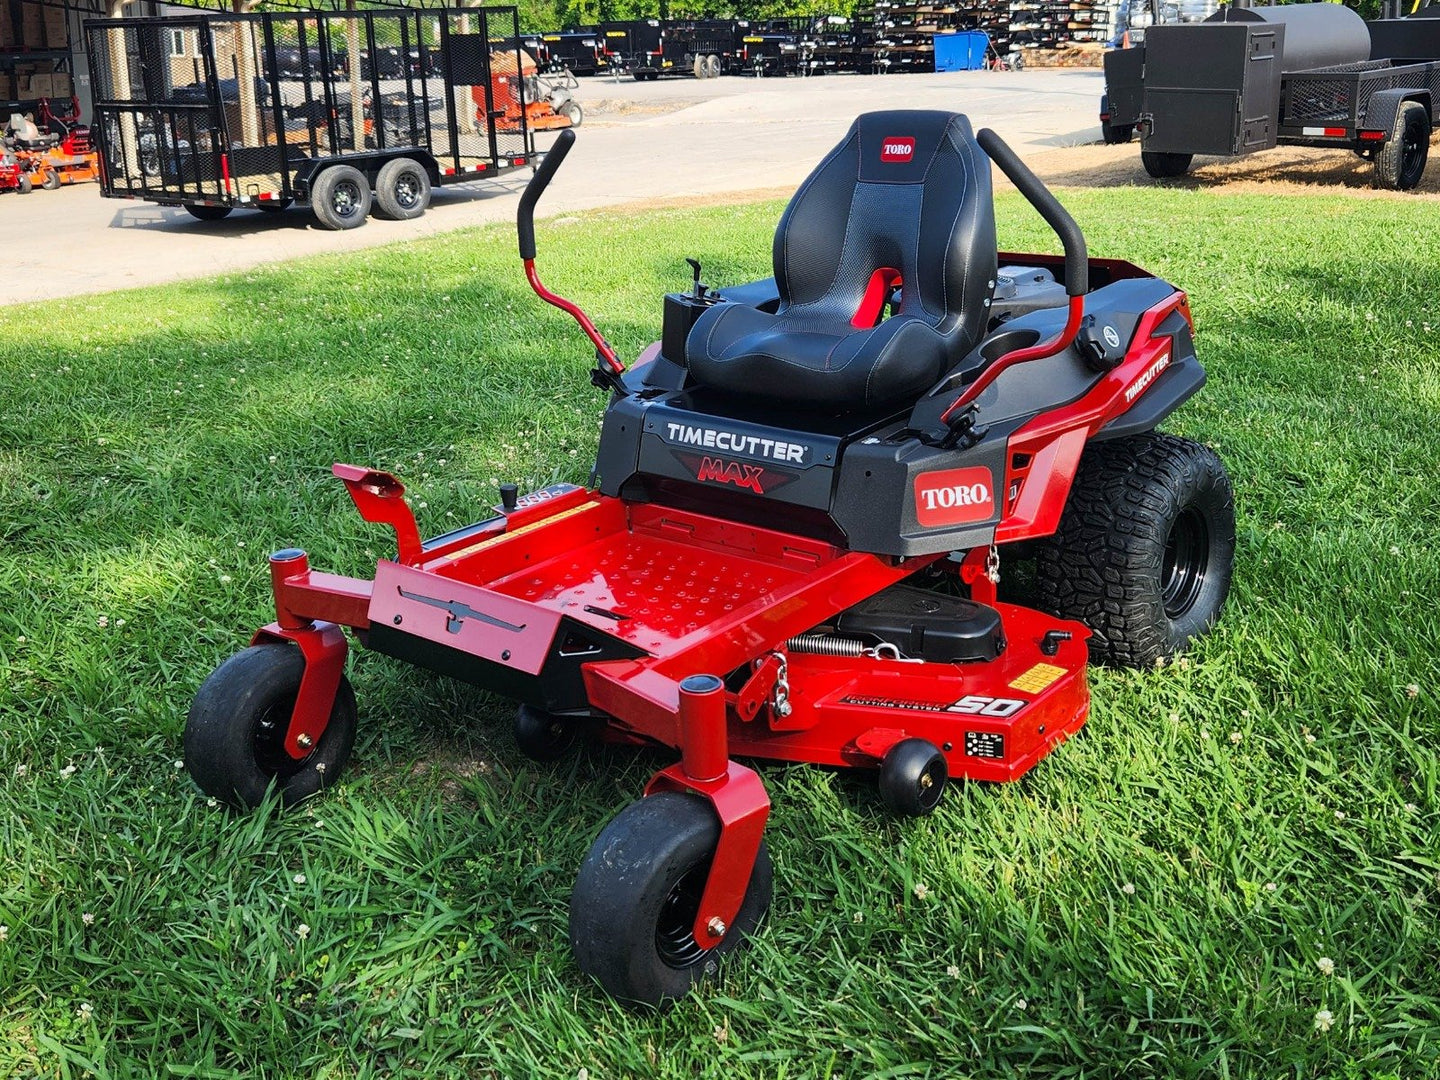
(962,51)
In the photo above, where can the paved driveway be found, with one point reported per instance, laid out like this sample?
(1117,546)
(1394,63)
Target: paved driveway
(639,142)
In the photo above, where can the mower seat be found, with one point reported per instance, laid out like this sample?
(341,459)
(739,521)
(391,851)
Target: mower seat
(904,201)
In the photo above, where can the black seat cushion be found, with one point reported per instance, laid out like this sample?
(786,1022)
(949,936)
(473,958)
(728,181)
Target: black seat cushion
(907,194)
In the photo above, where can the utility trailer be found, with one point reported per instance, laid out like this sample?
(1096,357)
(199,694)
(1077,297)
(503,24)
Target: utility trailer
(580,52)
(769,47)
(340,110)
(1248,79)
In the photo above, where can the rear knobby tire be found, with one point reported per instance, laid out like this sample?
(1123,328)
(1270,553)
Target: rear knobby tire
(341,198)
(1400,161)
(637,895)
(234,736)
(1162,166)
(201,212)
(402,190)
(1145,549)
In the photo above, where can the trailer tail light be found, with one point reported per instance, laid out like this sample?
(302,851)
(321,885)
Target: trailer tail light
(1373,136)
(517,161)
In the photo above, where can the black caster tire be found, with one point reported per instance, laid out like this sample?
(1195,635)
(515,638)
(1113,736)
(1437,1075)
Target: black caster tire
(1400,161)
(234,736)
(1163,166)
(402,190)
(201,212)
(912,777)
(1145,550)
(341,198)
(637,895)
(543,736)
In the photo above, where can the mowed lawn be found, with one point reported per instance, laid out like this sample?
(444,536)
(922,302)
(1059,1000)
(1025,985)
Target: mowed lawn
(1233,871)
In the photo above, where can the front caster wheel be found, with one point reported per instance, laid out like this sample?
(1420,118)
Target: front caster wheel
(633,910)
(543,736)
(912,777)
(235,734)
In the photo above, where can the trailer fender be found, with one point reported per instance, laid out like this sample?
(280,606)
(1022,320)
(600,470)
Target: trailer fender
(1384,106)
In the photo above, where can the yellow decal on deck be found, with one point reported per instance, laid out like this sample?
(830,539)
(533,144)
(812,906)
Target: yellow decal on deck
(1037,678)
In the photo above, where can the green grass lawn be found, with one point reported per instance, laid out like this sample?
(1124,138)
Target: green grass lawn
(1154,899)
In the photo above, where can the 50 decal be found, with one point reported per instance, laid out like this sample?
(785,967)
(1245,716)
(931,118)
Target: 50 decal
(980,705)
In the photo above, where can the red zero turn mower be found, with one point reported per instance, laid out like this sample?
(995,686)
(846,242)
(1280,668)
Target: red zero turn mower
(791,547)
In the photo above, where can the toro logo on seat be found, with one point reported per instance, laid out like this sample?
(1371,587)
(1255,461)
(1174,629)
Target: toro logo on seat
(954,497)
(897,148)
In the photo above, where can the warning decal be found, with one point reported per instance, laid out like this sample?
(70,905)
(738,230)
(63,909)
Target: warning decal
(1037,678)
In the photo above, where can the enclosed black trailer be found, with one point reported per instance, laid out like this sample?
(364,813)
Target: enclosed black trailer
(1248,79)
(340,110)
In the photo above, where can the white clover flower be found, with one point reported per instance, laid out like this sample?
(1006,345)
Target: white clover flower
(67,772)
(1324,1020)
(953,971)
(224,579)
(1128,889)
(1270,886)
(1309,739)
(177,763)
(299,879)
(85,1011)
(1235,737)
(4,933)
(302,931)
(22,769)
(921,891)
(1394,549)
(1411,691)
(1410,807)
(1339,815)
(119,623)
(87,918)
(1021,1004)
(212,802)
(1326,965)
(858,917)
(103,621)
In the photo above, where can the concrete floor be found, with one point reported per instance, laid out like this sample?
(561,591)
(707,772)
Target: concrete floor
(639,142)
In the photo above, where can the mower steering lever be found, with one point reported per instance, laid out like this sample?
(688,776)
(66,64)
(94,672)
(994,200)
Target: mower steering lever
(525,228)
(1077,272)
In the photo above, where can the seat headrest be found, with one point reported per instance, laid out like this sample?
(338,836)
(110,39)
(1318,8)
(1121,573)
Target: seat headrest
(899,146)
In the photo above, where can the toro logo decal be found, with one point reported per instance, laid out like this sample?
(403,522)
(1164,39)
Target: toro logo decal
(719,471)
(897,148)
(954,497)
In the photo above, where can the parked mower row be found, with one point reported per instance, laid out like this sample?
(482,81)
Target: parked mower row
(791,545)
(53,152)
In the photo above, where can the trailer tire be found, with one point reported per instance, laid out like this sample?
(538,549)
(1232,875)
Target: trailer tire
(1115,134)
(402,190)
(712,66)
(1400,161)
(1163,166)
(340,197)
(698,63)
(201,212)
(1145,550)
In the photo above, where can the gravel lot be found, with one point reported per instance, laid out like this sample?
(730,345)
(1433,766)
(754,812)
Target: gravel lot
(640,142)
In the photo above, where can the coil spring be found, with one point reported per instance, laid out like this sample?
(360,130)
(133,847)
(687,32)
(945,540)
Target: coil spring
(825,645)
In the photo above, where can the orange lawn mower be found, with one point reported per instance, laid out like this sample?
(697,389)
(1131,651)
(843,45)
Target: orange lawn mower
(64,154)
(520,91)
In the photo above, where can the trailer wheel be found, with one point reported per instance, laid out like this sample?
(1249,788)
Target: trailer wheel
(340,197)
(571,110)
(1164,166)
(1400,161)
(402,190)
(1115,134)
(201,212)
(699,64)
(712,66)
(912,777)
(24,185)
(637,894)
(1145,549)
(234,735)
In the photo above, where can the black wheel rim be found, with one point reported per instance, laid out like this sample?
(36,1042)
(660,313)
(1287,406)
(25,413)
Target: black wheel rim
(1412,151)
(267,740)
(675,928)
(407,192)
(346,199)
(1182,570)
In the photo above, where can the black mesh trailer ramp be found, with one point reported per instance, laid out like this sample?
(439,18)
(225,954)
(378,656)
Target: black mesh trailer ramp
(348,112)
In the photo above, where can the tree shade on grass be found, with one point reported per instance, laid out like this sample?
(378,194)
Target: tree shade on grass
(1239,851)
